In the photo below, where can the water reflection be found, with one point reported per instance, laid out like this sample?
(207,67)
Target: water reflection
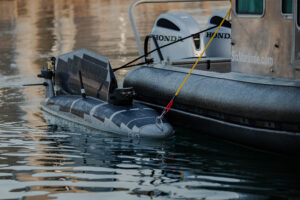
(54,163)
(41,162)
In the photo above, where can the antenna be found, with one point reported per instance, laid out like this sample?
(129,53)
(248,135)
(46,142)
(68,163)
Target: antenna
(82,90)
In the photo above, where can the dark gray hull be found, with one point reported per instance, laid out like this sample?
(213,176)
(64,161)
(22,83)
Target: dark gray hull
(136,120)
(250,110)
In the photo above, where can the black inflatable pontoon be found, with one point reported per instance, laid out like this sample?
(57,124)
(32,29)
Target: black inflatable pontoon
(246,109)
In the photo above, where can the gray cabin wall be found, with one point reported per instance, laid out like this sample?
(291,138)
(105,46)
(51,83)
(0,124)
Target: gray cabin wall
(262,45)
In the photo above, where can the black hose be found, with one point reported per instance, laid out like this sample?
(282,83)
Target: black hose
(127,65)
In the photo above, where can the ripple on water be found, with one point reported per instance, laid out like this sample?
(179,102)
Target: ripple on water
(57,165)
(60,164)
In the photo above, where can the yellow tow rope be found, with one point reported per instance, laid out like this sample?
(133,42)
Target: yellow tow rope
(211,39)
(167,108)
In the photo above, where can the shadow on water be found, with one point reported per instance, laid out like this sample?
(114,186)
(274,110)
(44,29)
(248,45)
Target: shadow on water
(261,173)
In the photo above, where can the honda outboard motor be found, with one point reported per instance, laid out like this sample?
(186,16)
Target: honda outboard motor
(221,45)
(171,27)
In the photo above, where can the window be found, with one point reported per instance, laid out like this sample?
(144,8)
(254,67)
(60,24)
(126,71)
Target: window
(287,6)
(250,7)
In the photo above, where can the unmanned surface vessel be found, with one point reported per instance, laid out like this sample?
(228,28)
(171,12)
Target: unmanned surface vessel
(86,94)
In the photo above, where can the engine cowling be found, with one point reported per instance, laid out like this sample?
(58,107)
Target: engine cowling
(221,45)
(171,27)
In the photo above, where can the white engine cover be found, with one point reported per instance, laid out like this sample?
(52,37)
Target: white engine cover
(221,45)
(170,27)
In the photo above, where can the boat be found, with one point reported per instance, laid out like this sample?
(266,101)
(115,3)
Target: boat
(245,90)
(81,90)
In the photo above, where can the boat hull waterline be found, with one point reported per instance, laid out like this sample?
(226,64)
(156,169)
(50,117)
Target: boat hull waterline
(134,121)
(232,106)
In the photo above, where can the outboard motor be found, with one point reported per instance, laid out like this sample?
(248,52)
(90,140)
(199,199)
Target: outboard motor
(221,45)
(171,27)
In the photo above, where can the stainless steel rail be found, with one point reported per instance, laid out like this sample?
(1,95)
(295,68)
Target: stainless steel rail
(138,2)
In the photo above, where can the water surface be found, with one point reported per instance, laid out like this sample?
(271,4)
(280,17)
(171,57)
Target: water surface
(38,161)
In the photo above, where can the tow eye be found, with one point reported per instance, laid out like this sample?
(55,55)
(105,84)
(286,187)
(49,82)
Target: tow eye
(159,123)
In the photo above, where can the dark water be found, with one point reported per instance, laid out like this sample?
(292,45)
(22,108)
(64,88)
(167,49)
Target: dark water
(38,161)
